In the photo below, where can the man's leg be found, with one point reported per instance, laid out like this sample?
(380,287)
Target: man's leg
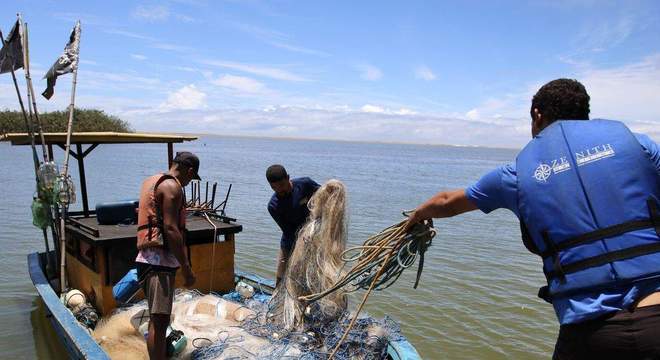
(156,345)
(159,288)
(282,261)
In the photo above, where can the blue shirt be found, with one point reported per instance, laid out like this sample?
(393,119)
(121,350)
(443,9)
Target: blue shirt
(498,189)
(291,212)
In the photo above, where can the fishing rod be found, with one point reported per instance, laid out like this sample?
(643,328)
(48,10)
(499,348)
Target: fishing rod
(30,89)
(28,126)
(43,183)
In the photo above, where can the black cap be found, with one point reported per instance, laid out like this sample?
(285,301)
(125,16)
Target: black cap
(190,160)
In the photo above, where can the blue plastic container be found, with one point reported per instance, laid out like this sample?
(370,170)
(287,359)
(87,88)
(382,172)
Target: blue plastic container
(126,287)
(120,212)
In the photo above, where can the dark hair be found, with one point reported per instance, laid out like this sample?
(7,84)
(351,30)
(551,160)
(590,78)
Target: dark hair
(564,99)
(275,173)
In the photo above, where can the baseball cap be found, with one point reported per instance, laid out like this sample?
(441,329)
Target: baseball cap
(190,160)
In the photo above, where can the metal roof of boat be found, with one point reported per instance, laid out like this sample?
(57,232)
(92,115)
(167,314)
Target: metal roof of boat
(98,138)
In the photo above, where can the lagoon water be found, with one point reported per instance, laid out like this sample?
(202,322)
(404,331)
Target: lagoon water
(477,296)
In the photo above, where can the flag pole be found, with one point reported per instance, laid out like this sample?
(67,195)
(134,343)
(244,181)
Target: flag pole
(66,172)
(30,89)
(35,157)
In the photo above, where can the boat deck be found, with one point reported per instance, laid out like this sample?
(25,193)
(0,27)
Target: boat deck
(198,230)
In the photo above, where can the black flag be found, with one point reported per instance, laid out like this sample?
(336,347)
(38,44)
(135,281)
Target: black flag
(66,63)
(11,55)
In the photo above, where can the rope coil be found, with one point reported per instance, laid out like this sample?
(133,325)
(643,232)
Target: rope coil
(390,252)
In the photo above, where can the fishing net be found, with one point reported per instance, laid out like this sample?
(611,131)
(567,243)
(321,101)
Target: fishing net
(315,263)
(232,327)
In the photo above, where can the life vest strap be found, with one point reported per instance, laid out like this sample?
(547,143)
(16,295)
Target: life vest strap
(604,259)
(652,222)
(599,234)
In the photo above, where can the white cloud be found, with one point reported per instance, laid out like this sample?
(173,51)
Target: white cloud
(375,109)
(627,92)
(186,98)
(275,38)
(138,57)
(604,34)
(240,83)
(472,114)
(106,81)
(405,111)
(299,49)
(129,34)
(153,42)
(151,13)
(369,72)
(425,73)
(265,71)
(304,122)
(372,109)
(170,47)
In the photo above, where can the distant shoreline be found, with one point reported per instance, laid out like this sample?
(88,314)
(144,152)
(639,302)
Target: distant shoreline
(340,140)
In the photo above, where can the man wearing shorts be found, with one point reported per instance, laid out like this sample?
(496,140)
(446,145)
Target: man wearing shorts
(161,245)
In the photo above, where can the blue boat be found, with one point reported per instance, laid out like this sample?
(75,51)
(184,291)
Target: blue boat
(97,256)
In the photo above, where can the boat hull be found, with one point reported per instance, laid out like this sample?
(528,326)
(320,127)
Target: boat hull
(80,345)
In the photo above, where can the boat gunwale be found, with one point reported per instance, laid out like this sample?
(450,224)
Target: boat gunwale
(76,340)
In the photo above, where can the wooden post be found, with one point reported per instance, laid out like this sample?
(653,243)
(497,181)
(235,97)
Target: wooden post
(83,181)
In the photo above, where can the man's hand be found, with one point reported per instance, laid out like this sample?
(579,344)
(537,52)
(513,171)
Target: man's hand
(188,276)
(414,218)
(441,205)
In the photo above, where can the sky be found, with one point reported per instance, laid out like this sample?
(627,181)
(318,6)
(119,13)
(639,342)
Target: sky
(432,72)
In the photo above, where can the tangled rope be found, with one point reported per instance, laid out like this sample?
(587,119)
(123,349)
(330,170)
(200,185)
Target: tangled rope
(381,260)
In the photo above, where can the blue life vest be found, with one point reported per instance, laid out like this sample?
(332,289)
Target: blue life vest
(588,200)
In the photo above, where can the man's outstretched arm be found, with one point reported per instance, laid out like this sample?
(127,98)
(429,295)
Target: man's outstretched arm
(441,205)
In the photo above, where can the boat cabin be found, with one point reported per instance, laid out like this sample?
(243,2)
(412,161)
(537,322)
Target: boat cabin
(100,253)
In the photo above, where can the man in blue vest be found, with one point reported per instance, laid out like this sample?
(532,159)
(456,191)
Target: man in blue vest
(288,207)
(587,195)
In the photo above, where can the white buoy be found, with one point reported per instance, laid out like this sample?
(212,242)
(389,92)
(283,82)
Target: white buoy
(246,291)
(74,298)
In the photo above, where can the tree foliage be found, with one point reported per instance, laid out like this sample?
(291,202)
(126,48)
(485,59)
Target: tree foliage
(84,120)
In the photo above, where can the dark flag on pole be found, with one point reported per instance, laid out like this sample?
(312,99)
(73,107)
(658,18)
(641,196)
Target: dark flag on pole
(66,63)
(11,55)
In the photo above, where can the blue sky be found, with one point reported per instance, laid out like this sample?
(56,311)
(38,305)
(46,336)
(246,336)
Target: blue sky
(416,71)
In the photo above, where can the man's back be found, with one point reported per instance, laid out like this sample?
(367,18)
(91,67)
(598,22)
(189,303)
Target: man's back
(553,187)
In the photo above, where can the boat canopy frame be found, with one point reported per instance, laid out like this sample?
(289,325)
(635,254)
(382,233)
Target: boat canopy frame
(94,139)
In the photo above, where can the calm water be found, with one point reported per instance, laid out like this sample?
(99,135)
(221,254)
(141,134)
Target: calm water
(477,294)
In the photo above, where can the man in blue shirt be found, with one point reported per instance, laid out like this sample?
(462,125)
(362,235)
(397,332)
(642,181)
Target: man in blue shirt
(288,207)
(606,297)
